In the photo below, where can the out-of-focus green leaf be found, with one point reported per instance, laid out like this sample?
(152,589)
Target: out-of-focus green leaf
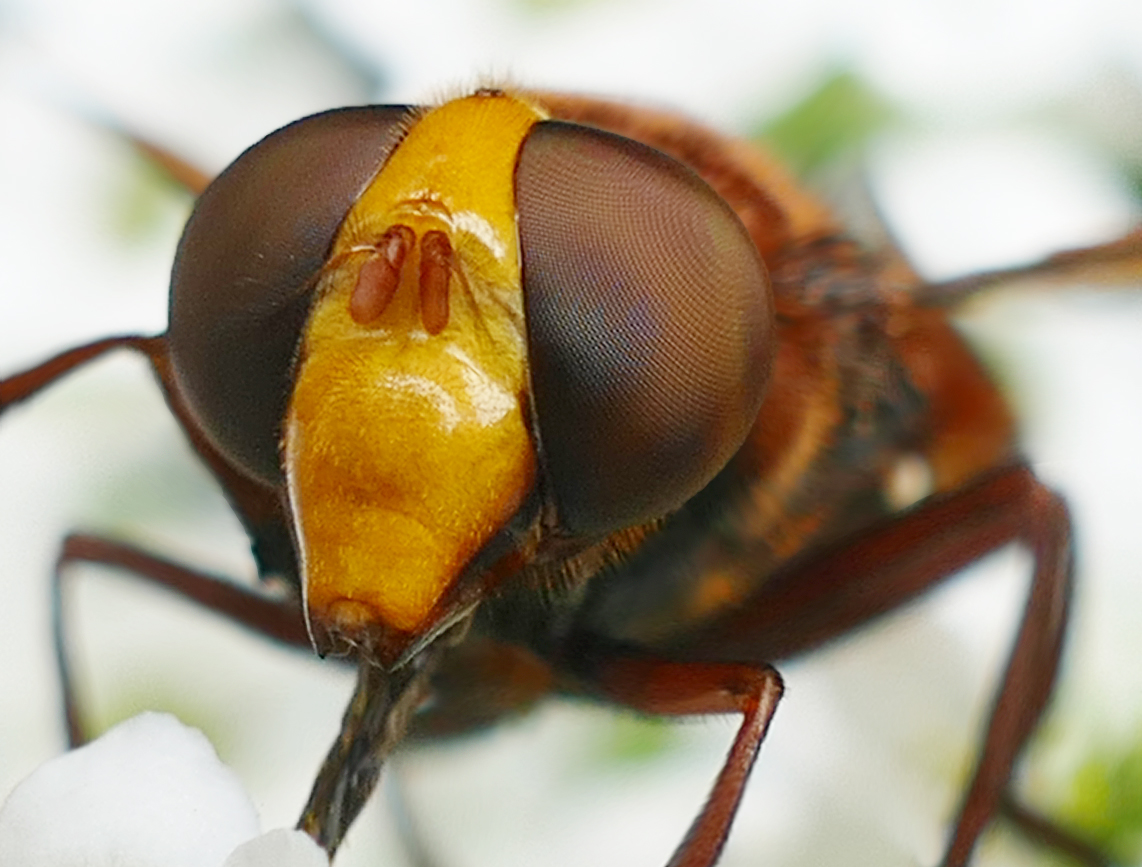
(144,202)
(152,694)
(837,118)
(632,739)
(1105,800)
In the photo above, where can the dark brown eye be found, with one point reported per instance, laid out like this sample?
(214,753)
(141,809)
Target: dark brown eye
(245,267)
(649,325)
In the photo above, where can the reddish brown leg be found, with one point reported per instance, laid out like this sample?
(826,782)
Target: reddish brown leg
(821,597)
(657,686)
(277,618)
(259,509)
(255,504)
(1115,263)
(184,173)
(25,384)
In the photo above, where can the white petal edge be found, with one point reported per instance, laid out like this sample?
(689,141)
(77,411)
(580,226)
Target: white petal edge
(279,848)
(149,791)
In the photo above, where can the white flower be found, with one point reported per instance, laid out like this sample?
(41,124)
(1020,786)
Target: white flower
(283,847)
(150,791)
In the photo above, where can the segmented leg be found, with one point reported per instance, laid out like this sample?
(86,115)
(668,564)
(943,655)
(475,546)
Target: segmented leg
(658,686)
(25,384)
(278,618)
(827,594)
(1116,263)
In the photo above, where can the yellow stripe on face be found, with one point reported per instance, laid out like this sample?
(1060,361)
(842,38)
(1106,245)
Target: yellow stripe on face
(406,445)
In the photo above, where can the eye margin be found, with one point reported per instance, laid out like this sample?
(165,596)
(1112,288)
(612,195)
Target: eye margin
(639,489)
(240,295)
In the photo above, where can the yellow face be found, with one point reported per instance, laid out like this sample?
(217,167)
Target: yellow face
(406,444)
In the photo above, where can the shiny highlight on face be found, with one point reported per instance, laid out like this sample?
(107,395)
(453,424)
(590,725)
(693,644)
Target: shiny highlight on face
(406,444)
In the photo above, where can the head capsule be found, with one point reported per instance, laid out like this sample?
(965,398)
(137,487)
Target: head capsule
(642,316)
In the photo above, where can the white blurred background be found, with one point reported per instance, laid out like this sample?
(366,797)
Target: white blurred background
(1017,128)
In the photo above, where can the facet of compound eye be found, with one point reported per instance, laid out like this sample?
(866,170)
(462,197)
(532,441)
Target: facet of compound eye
(650,325)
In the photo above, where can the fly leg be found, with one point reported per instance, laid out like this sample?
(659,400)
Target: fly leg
(1109,265)
(259,508)
(279,618)
(824,595)
(21,386)
(658,686)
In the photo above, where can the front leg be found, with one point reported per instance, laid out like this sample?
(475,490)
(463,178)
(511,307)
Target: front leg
(277,617)
(659,686)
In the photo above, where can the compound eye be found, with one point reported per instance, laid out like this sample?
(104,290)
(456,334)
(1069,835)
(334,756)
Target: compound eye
(246,266)
(650,321)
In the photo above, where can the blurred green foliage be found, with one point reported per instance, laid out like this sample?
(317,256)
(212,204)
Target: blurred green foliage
(1105,799)
(151,692)
(144,200)
(628,739)
(835,119)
